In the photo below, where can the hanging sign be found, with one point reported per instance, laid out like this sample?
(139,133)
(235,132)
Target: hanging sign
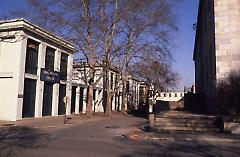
(49,76)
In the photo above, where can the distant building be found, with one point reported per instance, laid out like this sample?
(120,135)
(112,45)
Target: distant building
(169,101)
(80,87)
(217,45)
(35,71)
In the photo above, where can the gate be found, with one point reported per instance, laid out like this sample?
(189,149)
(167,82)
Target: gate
(62,94)
(29,98)
(47,99)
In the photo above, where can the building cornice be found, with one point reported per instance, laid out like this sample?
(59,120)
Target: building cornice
(23,24)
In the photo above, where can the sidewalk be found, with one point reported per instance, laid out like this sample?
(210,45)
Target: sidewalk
(54,121)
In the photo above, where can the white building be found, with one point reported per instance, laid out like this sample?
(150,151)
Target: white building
(133,93)
(80,87)
(35,71)
(170,96)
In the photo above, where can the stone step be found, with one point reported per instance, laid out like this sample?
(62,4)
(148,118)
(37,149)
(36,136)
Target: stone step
(184,121)
(163,121)
(185,125)
(175,128)
(183,114)
(187,117)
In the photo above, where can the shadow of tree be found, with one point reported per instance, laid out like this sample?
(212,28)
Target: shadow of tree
(180,147)
(193,148)
(14,139)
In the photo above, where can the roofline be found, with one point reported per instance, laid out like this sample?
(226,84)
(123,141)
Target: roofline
(200,4)
(82,64)
(22,23)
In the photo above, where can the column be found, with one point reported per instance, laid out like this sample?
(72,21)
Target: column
(100,101)
(77,100)
(55,98)
(69,84)
(40,84)
(84,100)
(94,101)
(113,102)
(20,78)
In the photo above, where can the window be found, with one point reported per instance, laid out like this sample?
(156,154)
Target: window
(31,60)
(63,66)
(94,94)
(116,80)
(127,87)
(175,94)
(49,60)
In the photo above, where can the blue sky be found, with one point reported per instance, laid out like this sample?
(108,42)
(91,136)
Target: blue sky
(183,63)
(186,12)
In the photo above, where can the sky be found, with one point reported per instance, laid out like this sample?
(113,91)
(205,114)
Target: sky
(186,11)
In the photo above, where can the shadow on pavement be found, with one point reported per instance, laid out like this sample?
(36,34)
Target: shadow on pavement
(187,144)
(14,139)
(138,113)
(186,149)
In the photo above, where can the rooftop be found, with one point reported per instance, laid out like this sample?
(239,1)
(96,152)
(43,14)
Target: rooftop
(23,24)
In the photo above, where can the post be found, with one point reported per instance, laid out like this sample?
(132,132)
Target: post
(65,115)
(151,116)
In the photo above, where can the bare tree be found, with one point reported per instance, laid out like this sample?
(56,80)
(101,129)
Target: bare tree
(115,32)
(146,28)
(228,90)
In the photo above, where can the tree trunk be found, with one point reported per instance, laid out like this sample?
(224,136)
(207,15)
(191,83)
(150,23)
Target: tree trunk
(108,90)
(90,86)
(89,102)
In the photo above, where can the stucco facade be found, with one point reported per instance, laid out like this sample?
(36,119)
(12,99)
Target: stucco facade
(80,86)
(24,51)
(217,45)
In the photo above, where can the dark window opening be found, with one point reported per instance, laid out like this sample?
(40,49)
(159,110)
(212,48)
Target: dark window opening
(61,104)
(63,66)
(94,94)
(127,87)
(31,62)
(116,80)
(49,60)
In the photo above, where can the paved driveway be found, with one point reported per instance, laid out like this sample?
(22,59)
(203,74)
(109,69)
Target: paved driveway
(119,136)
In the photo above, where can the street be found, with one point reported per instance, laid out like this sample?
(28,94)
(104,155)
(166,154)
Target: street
(118,136)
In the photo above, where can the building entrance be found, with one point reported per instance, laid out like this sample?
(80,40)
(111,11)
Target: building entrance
(29,98)
(47,99)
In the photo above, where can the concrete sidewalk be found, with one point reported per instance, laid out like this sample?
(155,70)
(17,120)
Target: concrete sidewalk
(55,122)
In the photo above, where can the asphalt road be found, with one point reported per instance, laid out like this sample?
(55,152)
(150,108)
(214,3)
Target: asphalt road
(116,137)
